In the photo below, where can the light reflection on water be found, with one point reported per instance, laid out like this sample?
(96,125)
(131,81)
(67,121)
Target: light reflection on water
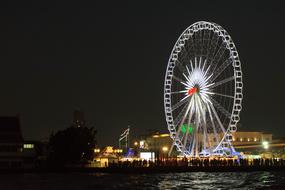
(191,180)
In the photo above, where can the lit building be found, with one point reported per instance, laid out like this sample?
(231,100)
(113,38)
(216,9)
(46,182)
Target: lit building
(34,153)
(106,156)
(243,138)
(159,143)
(256,143)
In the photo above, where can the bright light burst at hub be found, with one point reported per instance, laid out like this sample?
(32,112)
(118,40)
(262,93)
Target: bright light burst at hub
(203,91)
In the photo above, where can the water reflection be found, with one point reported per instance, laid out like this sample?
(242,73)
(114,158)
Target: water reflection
(202,180)
(190,180)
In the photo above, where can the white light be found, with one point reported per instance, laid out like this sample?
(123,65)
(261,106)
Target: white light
(142,144)
(265,144)
(29,146)
(147,155)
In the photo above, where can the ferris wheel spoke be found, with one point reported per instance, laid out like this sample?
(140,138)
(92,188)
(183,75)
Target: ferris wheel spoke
(197,142)
(180,115)
(200,40)
(180,103)
(205,137)
(179,92)
(221,108)
(206,80)
(219,55)
(197,42)
(200,63)
(192,145)
(197,110)
(206,40)
(177,78)
(205,98)
(213,124)
(192,47)
(203,115)
(223,81)
(191,64)
(200,107)
(203,68)
(213,46)
(221,68)
(187,130)
(217,118)
(219,94)
(180,66)
(183,119)
(187,53)
(189,72)
(187,79)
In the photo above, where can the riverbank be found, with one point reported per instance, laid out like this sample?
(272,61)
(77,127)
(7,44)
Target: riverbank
(164,169)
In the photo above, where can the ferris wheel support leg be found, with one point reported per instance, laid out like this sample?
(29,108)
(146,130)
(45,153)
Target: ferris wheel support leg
(171,149)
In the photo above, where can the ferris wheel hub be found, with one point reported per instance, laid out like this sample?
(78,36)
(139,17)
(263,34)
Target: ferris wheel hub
(191,91)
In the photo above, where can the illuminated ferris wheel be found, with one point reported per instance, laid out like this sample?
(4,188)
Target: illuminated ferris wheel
(203,91)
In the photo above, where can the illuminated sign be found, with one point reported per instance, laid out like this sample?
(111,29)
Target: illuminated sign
(147,155)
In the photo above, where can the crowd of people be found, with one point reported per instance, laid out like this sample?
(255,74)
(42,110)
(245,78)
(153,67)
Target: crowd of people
(198,162)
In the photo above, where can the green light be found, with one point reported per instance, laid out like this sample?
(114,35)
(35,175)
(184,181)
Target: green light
(190,129)
(184,128)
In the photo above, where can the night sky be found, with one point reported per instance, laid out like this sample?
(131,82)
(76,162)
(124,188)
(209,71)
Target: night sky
(110,59)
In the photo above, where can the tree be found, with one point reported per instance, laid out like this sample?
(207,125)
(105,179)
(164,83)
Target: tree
(72,145)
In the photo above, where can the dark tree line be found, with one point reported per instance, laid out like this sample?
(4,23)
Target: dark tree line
(72,145)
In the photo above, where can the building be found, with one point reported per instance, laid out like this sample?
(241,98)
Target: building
(11,143)
(14,151)
(34,154)
(259,143)
(244,138)
(106,156)
(159,143)
(246,142)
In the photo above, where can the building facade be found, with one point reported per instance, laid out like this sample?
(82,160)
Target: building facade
(159,143)
(11,143)
(246,142)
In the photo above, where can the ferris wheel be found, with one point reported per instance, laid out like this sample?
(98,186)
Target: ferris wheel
(203,91)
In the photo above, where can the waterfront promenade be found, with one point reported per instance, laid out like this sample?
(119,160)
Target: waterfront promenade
(166,166)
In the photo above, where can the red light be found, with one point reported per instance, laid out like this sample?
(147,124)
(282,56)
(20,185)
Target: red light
(192,91)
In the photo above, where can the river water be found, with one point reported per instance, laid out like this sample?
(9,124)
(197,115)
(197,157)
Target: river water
(190,180)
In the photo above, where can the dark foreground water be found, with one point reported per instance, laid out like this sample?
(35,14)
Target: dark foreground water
(194,180)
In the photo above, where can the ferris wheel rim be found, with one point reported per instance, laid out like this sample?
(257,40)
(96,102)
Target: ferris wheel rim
(187,33)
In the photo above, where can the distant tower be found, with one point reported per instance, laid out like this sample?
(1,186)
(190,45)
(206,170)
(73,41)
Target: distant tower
(78,118)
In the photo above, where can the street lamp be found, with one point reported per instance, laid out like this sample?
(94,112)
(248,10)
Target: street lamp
(96,150)
(165,149)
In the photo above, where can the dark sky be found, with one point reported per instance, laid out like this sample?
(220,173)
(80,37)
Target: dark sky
(110,59)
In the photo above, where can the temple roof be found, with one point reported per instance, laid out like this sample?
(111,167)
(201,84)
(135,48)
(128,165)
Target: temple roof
(10,130)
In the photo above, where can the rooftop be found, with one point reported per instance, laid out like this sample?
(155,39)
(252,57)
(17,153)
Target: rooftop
(10,130)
